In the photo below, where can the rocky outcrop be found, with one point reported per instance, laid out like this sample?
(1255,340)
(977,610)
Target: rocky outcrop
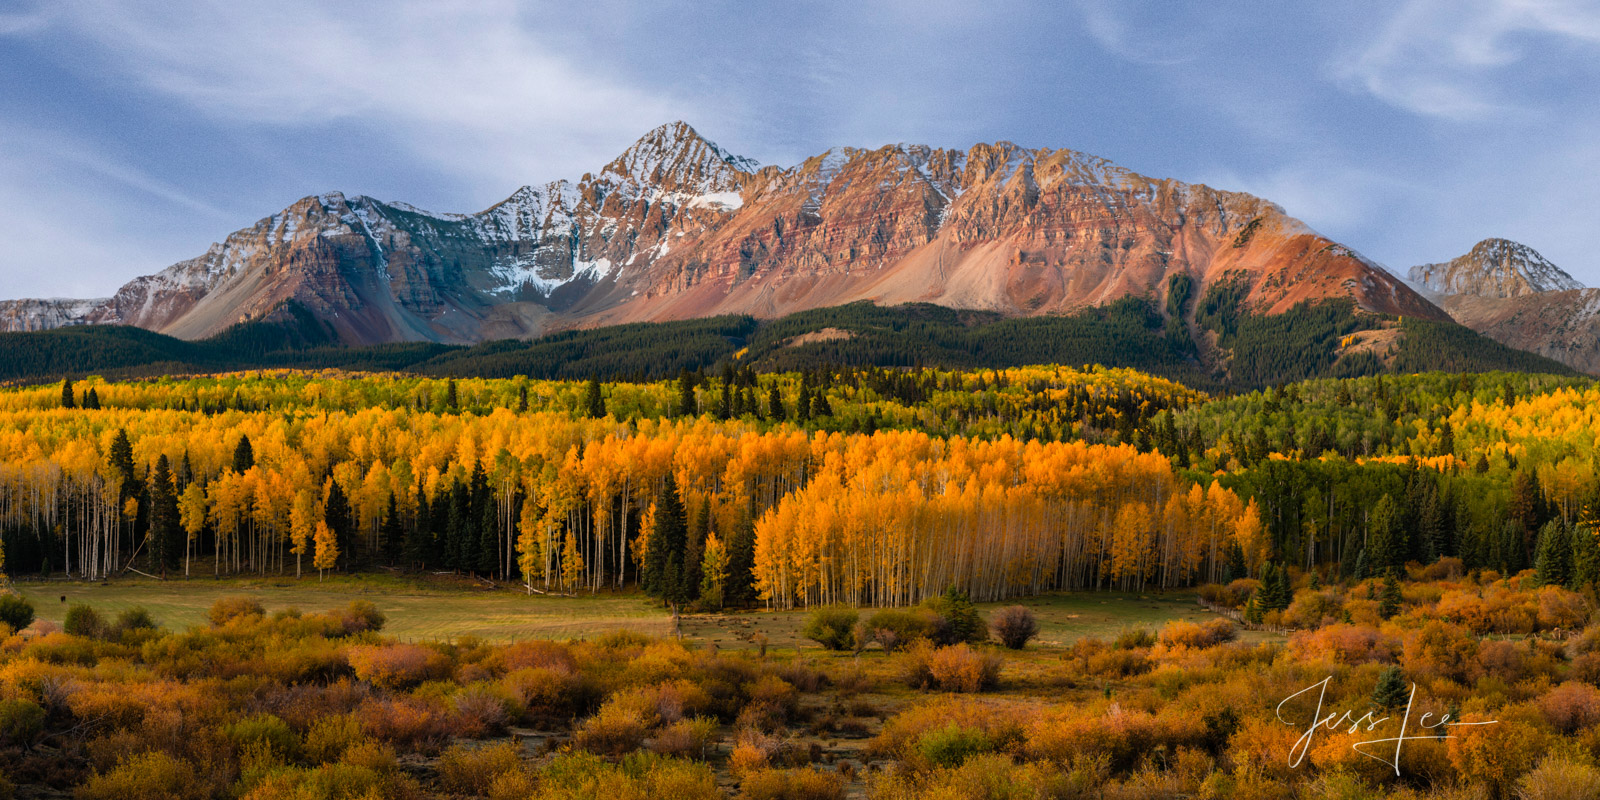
(676,227)
(1510,293)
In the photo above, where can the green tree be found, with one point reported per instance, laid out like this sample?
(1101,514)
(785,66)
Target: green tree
(594,403)
(1389,600)
(687,405)
(1554,562)
(166,535)
(1391,689)
(91,400)
(668,548)
(738,589)
(244,456)
(1387,535)
(66,394)
(392,533)
(336,513)
(775,408)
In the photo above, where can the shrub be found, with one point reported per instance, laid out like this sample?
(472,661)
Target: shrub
(359,617)
(15,611)
(1014,626)
(330,736)
(1558,777)
(1179,633)
(956,668)
(136,618)
(228,609)
(470,770)
(952,745)
(1133,639)
(832,627)
(1313,609)
(480,710)
(397,666)
(403,721)
(82,620)
(541,690)
(21,722)
(688,738)
(1343,644)
(791,784)
(1561,609)
(264,730)
(894,628)
(1571,707)
(614,730)
(147,776)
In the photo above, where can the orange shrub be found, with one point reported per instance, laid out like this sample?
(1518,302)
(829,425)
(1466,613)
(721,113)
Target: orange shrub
(791,784)
(1495,756)
(1442,649)
(1561,609)
(1179,633)
(1343,644)
(957,668)
(1312,609)
(689,738)
(615,730)
(402,721)
(397,666)
(1571,706)
(532,654)
(149,776)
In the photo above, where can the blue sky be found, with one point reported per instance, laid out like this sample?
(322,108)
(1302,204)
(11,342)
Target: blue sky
(134,134)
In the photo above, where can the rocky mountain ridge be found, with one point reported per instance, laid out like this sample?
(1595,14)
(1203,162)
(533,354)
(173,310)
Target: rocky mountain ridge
(1510,293)
(676,227)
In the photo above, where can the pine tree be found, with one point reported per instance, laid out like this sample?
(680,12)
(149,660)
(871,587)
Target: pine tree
(522,398)
(594,403)
(452,400)
(738,589)
(1391,689)
(244,456)
(392,534)
(664,558)
(687,406)
(488,549)
(1252,608)
(775,408)
(164,523)
(1388,534)
(1553,566)
(1389,600)
(1359,570)
(91,400)
(66,395)
(336,513)
(420,534)
(725,405)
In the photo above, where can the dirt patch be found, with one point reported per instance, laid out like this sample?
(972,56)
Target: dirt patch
(824,335)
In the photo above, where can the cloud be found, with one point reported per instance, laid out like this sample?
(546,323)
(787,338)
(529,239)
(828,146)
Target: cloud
(469,89)
(1446,58)
(1108,24)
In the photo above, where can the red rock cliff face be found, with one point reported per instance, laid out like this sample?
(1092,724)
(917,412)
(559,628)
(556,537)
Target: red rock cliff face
(676,227)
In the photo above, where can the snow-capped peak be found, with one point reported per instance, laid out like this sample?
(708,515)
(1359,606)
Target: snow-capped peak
(1494,268)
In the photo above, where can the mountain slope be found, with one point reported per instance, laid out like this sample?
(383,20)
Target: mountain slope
(1510,293)
(675,228)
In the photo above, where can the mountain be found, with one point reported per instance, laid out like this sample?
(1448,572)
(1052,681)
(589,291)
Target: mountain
(676,228)
(1510,293)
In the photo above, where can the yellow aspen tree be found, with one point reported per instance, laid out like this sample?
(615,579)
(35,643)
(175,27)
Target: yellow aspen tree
(303,518)
(530,553)
(571,565)
(192,515)
(327,554)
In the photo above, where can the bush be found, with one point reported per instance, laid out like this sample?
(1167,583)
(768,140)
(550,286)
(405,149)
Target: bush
(688,738)
(136,618)
(264,730)
(791,784)
(1014,626)
(1571,707)
(1558,777)
(147,776)
(614,731)
(21,722)
(228,609)
(397,666)
(1133,639)
(894,628)
(957,668)
(832,627)
(82,620)
(359,617)
(16,611)
(470,770)
(330,737)
(952,745)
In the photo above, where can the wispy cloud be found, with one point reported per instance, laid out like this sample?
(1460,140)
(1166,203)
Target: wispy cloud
(1447,58)
(468,88)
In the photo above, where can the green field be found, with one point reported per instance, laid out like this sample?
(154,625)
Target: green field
(449,609)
